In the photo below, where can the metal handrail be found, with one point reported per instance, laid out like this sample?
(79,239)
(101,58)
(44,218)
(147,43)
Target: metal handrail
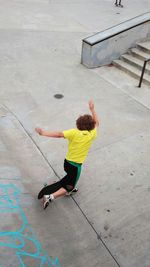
(143,70)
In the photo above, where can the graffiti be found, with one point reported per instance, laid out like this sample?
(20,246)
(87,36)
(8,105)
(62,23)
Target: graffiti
(20,240)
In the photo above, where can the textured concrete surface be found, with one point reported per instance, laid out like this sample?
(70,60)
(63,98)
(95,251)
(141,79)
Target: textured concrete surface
(107,222)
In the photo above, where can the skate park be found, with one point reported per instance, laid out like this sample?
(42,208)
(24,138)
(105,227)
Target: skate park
(106,223)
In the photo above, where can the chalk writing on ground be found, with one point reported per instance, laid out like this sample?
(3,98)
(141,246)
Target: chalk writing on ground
(22,241)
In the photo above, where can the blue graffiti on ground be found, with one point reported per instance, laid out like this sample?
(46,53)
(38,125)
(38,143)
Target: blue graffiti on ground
(23,237)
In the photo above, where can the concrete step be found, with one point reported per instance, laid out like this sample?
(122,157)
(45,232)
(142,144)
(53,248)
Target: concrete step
(138,53)
(145,46)
(133,71)
(136,62)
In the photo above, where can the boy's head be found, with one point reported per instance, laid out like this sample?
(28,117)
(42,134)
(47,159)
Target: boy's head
(85,122)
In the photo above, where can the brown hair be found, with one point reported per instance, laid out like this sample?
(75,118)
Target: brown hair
(85,122)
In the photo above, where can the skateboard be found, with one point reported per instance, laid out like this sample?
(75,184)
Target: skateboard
(49,189)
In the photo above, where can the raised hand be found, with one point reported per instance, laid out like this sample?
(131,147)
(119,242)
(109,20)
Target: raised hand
(91,105)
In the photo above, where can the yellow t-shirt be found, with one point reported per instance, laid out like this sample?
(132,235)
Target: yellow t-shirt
(79,143)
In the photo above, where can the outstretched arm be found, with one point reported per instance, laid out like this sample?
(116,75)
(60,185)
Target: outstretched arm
(49,134)
(94,115)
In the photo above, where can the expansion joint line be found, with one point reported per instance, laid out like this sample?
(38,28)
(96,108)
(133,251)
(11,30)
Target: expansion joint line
(84,215)
(98,235)
(31,138)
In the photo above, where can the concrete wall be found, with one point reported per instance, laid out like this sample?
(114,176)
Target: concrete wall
(103,47)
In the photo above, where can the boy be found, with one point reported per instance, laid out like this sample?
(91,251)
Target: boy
(80,141)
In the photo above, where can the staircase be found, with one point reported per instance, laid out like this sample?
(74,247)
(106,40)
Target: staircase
(133,61)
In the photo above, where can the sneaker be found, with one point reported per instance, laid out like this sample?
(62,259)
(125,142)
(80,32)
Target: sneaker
(75,190)
(46,200)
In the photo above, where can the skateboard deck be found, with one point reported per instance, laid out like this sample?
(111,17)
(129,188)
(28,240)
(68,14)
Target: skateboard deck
(49,189)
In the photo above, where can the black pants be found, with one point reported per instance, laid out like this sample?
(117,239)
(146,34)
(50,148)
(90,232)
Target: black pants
(70,179)
(118,2)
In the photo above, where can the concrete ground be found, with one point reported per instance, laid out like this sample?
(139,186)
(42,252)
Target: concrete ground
(106,224)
